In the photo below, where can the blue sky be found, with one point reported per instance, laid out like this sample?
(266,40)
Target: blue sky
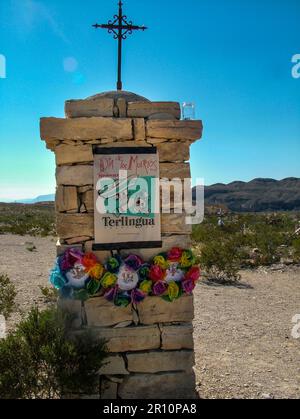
(231,57)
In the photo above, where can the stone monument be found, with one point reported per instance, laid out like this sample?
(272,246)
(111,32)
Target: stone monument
(150,345)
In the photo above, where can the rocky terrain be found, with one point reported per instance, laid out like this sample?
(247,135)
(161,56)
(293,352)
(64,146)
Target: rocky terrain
(256,196)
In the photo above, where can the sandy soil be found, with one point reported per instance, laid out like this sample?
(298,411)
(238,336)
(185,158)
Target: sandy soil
(244,347)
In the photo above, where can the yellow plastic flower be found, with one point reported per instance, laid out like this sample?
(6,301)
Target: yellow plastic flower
(109,280)
(187,259)
(173,290)
(146,287)
(96,271)
(161,262)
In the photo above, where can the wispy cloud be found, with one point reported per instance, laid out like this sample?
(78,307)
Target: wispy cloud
(31,13)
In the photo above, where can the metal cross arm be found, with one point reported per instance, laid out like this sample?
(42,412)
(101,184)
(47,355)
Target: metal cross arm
(127,28)
(120,27)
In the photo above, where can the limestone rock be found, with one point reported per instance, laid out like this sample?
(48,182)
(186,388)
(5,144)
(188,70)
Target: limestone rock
(86,129)
(164,116)
(103,313)
(175,224)
(80,175)
(76,240)
(184,242)
(175,170)
(87,200)
(66,199)
(114,365)
(122,107)
(123,324)
(174,130)
(51,145)
(139,129)
(177,336)
(89,108)
(69,226)
(108,390)
(73,154)
(146,109)
(126,144)
(167,243)
(155,141)
(160,361)
(173,386)
(141,338)
(84,189)
(174,152)
(156,310)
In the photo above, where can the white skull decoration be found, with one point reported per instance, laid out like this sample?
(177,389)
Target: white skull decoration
(77,276)
(127,279)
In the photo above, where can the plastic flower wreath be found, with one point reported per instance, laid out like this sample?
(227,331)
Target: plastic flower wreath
(174,273)
(77,275)
(125,281)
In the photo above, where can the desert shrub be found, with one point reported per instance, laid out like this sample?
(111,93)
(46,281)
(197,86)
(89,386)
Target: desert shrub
(49,294)
(221,260)
(7,296)
(39,360)
(35,220)
(296,249)
(271,234)
(268,242)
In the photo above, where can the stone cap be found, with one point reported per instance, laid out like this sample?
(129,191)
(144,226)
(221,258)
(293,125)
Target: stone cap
(119,94)
(121,104)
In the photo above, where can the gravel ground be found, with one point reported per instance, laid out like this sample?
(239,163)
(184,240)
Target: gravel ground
(243,337)
(244,347)
(28,270)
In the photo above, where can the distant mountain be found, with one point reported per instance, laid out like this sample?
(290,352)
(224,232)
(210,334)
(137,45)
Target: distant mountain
(41,198)
(256,196)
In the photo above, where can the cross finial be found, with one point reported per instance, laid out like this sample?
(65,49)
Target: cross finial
(120,27)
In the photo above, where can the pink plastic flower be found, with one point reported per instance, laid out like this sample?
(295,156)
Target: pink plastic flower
(193,274)
(156,273)
(175,254)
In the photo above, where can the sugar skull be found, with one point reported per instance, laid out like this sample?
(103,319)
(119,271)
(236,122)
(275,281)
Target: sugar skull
(127,278)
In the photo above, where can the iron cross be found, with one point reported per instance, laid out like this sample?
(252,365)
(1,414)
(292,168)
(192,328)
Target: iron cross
(120,27)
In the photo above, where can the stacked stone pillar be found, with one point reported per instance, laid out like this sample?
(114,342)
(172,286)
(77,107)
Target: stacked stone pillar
(150,345)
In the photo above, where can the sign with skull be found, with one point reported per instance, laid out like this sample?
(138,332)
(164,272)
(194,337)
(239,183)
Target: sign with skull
(127,207)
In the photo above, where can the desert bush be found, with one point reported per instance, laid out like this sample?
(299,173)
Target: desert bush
(49,294)
(268,242)
(7,296)
(221,261)
(39,361)
(35,220)
(296,249)
(270,234)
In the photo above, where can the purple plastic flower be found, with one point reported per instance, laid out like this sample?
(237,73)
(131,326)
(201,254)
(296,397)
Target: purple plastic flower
(159,288)
(137,296)
(69,259)
(134,262)
(188,286)
(111,294)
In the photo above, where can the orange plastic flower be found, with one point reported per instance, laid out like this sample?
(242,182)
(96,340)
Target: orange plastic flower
(89,261)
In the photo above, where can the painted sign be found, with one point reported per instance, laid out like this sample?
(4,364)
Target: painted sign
(127,212)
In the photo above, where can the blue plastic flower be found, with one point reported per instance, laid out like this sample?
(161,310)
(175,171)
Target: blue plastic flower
(57,278)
